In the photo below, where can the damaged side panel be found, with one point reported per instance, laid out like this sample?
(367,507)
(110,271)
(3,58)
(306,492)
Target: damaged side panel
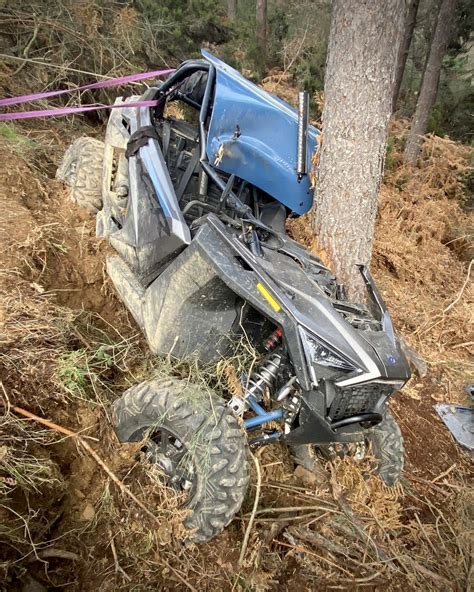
(141,217)
(186,310)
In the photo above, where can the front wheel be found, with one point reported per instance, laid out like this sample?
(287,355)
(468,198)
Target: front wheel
(193,437)
(386,441)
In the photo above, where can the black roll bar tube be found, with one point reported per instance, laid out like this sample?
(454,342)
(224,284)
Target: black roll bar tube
(203,181)
(372,418)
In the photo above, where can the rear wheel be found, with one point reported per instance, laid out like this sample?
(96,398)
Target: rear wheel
(193,437)
(81,170)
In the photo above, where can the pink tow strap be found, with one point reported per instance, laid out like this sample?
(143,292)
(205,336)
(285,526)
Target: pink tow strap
(70,110)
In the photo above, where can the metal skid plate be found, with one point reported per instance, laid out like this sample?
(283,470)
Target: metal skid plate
(460,422)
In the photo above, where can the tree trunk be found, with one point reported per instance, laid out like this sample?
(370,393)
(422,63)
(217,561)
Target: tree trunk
(231,9)
(429,85)
(404,49)
(262,32)
(364,41)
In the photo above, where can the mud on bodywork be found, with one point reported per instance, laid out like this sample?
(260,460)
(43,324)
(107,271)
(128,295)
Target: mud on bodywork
(194,307)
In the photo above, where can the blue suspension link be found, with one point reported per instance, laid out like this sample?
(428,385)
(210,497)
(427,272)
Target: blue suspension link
(262,415)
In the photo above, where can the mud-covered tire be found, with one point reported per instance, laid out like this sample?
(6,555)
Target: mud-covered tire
(81,170)
(386,441)
(211,434)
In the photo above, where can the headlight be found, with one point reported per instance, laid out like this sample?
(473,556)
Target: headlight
(320,353)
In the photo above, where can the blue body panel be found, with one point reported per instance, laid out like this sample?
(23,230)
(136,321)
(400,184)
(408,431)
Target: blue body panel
(265,152)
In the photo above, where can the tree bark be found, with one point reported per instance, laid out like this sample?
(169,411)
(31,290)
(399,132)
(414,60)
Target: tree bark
(429,85)
(404,49)
(261,32)
(360,73)
(231,9)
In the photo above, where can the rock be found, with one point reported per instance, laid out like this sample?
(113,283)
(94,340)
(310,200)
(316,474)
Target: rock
(88,512)
(308,478)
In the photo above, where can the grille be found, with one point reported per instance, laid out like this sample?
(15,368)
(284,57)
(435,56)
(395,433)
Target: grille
(354,400)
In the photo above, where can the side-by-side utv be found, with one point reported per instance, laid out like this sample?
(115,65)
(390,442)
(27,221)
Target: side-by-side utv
(195,208)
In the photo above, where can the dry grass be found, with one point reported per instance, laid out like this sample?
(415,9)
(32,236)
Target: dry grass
(20,464)
(422,255)
(373,538)
(26,471)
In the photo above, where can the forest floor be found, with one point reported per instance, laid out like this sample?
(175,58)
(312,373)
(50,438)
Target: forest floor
(68,348)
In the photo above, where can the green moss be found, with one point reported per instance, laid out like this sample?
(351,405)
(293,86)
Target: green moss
(9,132)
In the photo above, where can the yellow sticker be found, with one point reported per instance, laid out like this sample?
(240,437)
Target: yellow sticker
(268,297)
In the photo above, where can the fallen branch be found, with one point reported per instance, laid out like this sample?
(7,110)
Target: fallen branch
(461,291)
(293,509)
(118,568)
(302,549)
(57,428)
(309,536)
(254,511)
(26,51)
(52,553)
(444,473)
(355,520)
(285,519)
(417,567)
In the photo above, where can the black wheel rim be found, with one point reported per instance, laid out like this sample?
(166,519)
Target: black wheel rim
(164,449)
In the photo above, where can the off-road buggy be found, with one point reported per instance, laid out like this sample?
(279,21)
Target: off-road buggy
(195,209)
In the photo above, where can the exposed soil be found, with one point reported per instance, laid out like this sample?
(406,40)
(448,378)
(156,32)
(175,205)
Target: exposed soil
(429,448)
(40,221)
(77,276)
(52,274)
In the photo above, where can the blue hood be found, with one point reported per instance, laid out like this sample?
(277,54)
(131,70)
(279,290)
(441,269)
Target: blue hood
(253,135)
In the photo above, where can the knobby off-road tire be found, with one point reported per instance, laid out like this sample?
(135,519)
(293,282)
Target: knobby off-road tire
(81,169)
(387,447)
(212,437)
(386,441)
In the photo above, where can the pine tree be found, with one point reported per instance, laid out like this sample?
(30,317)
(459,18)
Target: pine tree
(360,74)
(405,48)
(429,86)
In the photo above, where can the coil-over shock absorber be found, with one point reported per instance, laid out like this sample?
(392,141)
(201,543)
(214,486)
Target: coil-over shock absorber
(264,377)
